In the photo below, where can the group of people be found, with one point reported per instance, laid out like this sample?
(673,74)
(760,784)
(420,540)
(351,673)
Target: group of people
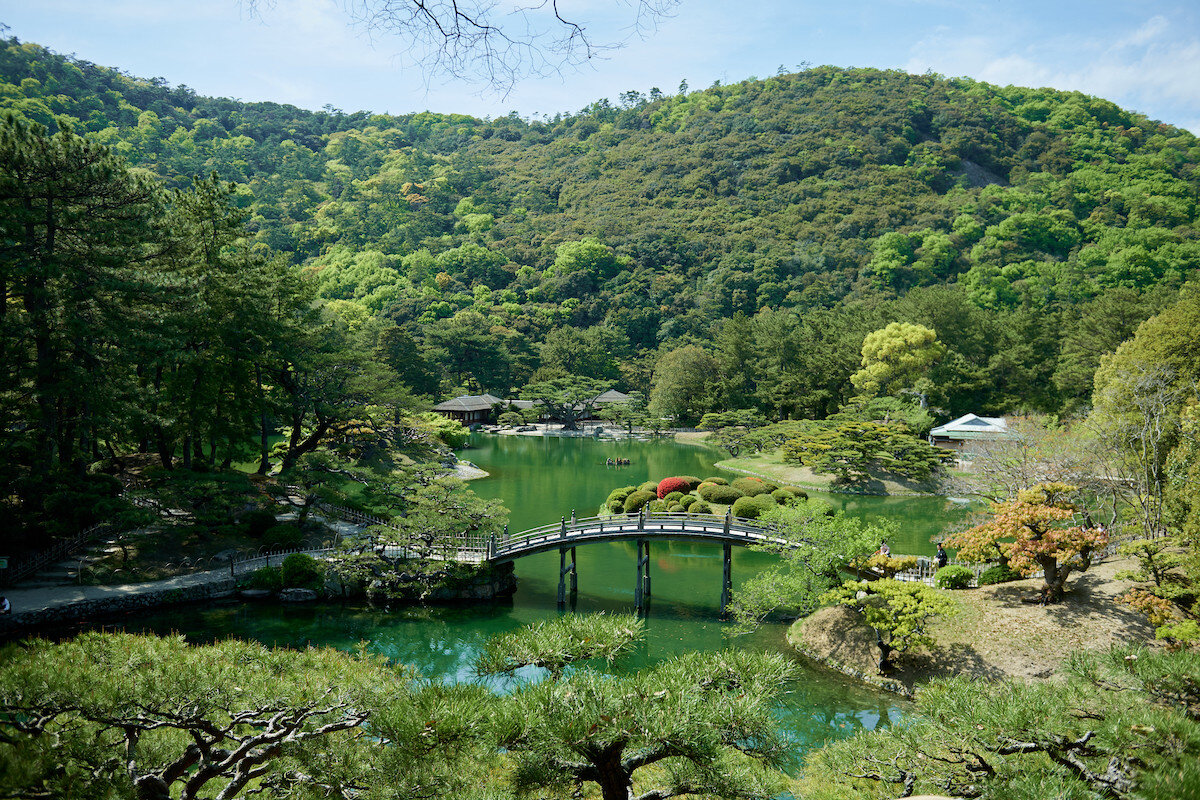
(616,462)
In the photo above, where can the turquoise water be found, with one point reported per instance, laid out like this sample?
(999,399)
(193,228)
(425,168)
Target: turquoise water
(541,480)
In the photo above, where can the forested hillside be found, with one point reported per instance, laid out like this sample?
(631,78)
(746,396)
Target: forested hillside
(771,224)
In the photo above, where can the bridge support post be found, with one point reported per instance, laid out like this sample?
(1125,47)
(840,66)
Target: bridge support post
(727,579)
(563,569)
(641,589)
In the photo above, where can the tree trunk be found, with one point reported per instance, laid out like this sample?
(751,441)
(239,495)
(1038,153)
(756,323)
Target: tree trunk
(885,650)
(615,783)
(264,460)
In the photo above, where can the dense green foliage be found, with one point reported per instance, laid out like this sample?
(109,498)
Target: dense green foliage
(747,236)
(1123,725)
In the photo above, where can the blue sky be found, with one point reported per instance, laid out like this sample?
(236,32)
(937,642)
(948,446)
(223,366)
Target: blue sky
(1143,55)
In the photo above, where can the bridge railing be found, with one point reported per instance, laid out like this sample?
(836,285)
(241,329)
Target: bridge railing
(567,530)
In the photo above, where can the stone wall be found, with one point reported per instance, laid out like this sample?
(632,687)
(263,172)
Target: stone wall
(24,623)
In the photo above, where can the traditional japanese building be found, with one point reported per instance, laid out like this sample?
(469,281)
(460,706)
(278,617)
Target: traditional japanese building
(958,434)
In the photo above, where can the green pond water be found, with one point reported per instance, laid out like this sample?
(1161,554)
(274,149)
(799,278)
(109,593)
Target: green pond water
(540,480)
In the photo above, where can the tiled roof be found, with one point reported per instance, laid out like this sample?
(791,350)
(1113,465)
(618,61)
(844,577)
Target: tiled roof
(471,402)
(971,426)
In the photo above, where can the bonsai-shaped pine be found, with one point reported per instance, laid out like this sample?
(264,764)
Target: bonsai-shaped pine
(1119,724)
(557,644)
(702,720)
(898,611)
(117,715)
(1032,532)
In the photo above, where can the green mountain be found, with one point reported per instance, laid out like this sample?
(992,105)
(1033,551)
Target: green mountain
(772,223)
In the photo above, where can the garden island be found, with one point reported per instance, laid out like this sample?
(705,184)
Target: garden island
(833,435)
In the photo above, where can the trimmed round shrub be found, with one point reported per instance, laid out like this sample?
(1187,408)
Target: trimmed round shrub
(692,481)
(621,493)
(797,491)
(675,508)
(782,496)
(673,497)
(283,537)
(723,495)
(752,487)
(656,505)
(717,480)
(953,576)
(688,500)
(258,522)
(672,484)
(747,507)
(302,571)
(635,501)
(649,486)
(615,506)
(699,507)
(997,574)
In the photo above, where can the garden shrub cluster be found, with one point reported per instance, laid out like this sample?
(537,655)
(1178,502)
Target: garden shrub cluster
(673,484)
(715,479)
(635,501)
(953,576)
(716,493)
(699,507)
(998,574)
(673,497)
(688,500)
(615,502)
(649,486)
(302,571)
(752,487)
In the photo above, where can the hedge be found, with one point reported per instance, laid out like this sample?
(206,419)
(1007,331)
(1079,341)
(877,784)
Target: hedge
(998,574)
(752,487)
(751,507)
(635,501)
(715,493)
(953,576)
(672,484)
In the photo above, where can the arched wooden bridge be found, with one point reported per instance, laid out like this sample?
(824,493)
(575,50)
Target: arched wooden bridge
(569,533)
(644,528)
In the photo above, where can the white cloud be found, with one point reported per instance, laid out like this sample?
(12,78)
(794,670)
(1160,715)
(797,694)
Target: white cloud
(1154,67)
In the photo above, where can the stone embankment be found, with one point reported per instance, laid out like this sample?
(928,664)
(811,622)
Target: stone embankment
(50,608)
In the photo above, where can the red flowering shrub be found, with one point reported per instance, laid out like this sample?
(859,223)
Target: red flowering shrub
(672,484)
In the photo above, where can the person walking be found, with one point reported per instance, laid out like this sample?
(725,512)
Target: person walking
(942,558)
